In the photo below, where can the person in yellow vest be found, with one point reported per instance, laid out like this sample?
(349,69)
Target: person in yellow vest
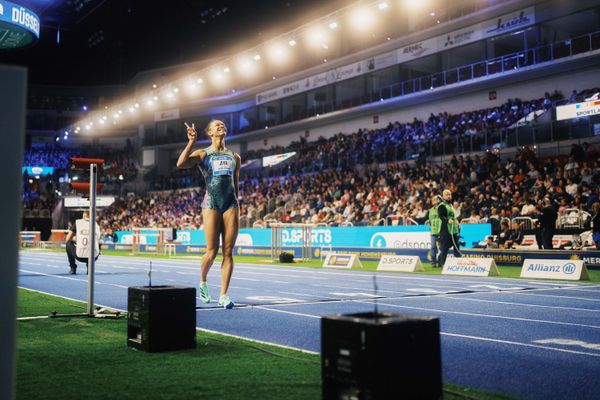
(78,246)
(435,224)
(449,227)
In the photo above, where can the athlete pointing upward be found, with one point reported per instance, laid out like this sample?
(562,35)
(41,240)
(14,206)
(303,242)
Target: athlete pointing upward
(220,168)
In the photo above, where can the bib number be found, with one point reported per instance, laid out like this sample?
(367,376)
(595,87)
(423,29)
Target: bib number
(222,165)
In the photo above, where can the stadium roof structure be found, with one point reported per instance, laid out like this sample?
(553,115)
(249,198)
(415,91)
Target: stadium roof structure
(107,42)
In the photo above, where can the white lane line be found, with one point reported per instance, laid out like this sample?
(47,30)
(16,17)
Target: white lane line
(512,303)
(258,341)
(552,296)
(482,315)
(308,295)
(312,271)
(510,342)
(470,337)
(355,274)
(586,289)
(288,312)
(67,298)
(198,329)
(355,288)
(72,279)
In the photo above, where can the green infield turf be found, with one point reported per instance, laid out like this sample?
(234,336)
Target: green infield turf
(85,358)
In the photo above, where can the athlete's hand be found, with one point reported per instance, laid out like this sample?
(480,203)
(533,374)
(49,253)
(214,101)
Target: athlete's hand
(191,132)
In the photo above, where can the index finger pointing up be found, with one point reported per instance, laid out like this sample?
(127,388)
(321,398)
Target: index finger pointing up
(186,125)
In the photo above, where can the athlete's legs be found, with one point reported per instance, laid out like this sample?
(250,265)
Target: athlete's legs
(231,227)
(212,230)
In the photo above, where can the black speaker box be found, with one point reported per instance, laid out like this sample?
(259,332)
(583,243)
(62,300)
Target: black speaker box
(286,257)
(161,318)
(380,356)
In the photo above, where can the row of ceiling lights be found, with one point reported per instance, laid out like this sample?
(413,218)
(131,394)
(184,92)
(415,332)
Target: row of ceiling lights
(361,18)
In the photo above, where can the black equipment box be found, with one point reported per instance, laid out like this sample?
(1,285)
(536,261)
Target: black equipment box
(161,318)
(380,356)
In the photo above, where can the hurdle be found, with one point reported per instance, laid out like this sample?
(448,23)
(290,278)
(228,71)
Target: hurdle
(145,236)
(277,230)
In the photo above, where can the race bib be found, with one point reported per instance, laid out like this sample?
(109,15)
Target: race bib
(222,165)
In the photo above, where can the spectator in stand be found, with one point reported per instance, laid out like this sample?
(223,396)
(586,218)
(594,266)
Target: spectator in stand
(515,236)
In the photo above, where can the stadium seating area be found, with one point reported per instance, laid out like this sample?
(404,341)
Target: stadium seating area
(39,193)
(369,177)
(362,179)
(486,189)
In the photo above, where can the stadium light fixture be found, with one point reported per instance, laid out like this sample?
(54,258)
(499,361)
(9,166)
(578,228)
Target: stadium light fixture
(383,5)
(219,77)
(277,53)
(316,37)
(292,42)
(361,18)
(245,66)
(412,6)
(333,25)
(191,86)
(256,57)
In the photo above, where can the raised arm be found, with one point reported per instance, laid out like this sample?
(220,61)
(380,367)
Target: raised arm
(187,158)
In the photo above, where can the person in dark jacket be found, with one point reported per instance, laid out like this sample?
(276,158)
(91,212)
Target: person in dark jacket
(596,224)
(449,229)
(548,223)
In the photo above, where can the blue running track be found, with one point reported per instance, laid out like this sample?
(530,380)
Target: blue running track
(531,339)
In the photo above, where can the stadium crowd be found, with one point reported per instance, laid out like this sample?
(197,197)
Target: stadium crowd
(485,188)
(40,193)
(363,178)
